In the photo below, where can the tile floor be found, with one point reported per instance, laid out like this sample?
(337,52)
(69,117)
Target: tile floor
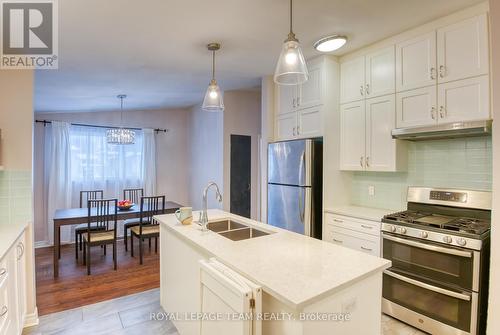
(130,315)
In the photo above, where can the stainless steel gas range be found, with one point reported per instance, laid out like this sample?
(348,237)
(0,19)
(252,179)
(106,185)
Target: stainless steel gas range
(439,248)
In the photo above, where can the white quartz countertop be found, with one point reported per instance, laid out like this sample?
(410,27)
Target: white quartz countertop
(9,232)
(367,213)
(296,269)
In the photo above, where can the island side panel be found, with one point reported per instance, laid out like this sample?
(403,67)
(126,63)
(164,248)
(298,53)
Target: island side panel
(180,280)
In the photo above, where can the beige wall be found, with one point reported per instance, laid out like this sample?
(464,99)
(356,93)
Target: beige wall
(172,152)
(494,301)
(16,119)
(242,116)
(206,134)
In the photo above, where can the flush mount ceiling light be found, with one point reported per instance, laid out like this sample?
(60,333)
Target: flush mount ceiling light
(213,98)
(330,43)
(120,135)
(291,68)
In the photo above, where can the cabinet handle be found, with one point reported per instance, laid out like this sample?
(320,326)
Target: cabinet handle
(20,247)
(367,249)
(367,89)
(366,227)
(361,91)
(338,220)
(441,112)
(293,103)
(433,73)
(294,132)
(442,71)
(298,130)
(3,271)
(367,161)
(433,111)
(298,101)
(4,311)
(361,161)
(338,241)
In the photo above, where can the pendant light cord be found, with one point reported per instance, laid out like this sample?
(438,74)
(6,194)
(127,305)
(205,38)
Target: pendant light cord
(291,17)
(213,64)
(121,111)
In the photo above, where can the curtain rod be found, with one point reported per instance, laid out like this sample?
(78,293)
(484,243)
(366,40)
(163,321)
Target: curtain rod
(157,130)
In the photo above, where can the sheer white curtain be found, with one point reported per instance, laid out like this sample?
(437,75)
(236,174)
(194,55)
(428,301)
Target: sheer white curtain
(149,162)
(97,165)
(59,174)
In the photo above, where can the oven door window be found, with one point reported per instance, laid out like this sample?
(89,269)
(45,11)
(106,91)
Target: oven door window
(430,261)
(454,311)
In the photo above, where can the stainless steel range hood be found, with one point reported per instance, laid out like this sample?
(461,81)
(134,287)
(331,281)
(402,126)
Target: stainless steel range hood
(445,130)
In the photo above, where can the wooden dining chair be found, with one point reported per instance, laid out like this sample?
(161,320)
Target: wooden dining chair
(85,196)
(102,213)
(134,195)
(147,228)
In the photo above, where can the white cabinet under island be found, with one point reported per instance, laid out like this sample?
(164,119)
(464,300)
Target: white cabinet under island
(307,286)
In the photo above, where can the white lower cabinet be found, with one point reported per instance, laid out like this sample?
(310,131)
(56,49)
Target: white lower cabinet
(354,233)
(13,289)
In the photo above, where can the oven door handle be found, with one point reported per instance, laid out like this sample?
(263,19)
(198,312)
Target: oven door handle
(436,248)
(436,289)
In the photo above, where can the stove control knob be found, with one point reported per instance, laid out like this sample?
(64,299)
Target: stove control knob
(402,230)
(424,234)
(392,228)
(461,241)
(447,239)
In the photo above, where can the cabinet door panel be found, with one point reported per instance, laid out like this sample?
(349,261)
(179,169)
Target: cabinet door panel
(310,122)
(352,136)
(21,280)
(287,95)
(416,107)
(464,100)
(380,146)
(380,77)
(416,62)
(286,126)
(463,49)
(352,80)
(310,93)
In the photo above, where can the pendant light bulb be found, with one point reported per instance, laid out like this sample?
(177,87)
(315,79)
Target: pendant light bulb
(213,101)
(291,68)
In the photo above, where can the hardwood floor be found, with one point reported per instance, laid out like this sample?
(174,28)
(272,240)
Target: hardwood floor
(74,288)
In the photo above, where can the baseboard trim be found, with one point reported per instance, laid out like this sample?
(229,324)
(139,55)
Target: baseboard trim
(42,244)
(31,320)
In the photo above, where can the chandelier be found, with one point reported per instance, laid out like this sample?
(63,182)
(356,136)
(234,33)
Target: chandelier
(120,135)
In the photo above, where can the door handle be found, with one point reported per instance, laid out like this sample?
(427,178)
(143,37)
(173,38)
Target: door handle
(4,311)
(367,161)
(367,89)
(338,220)
(442,112)
(301,206)
(293,131)
(366,249)
(433,73)
(442,71)
(293,103)
(433,111)
(361,161)
(298,130)
(361,90)
(3,271)
(366,227)
(298,101)
(338,241)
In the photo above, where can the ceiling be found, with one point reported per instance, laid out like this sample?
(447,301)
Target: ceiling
(154,50)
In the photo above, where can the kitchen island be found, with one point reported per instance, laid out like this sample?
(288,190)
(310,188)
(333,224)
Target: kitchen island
(308,286)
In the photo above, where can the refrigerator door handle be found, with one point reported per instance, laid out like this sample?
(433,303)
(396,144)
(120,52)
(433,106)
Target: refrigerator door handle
(302,164)
(301,205)
(307,211)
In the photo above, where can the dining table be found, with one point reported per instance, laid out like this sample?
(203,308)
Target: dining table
(74,216)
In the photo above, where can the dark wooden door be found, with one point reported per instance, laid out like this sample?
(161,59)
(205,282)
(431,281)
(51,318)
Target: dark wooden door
(241,170)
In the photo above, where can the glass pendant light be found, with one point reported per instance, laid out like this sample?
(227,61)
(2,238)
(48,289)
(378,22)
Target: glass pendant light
(291,68)
(213,98)
(120,135)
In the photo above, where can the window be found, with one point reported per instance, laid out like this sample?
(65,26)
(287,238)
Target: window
(95,164)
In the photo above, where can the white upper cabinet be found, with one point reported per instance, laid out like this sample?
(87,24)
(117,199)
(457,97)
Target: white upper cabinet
(380,146)
(352,136)
(286,126)
(416,62)
(464,100)
(352,80)
(287,97)
(416,107)
(310,93)
(310,122)
(463,50)
(380,77)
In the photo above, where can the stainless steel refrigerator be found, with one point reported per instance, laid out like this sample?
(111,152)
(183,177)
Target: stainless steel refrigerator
(294,190)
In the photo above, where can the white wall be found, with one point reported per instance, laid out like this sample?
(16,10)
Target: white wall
(494,301)
(172,152)
(206,155)
(242,117)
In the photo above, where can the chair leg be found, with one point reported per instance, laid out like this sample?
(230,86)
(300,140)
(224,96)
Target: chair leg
(81,242)
(76,245)
(88,259)
(105,250)
(140,249)
(125,238)
(132,244)
(150,244)
(156,245)
(84,253)
(114,254)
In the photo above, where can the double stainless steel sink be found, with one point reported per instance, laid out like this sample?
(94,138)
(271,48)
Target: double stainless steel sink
(235,231)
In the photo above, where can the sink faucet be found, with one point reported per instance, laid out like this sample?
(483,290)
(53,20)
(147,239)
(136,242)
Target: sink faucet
(204,215)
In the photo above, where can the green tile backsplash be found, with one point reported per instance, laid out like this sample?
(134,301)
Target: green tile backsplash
(453,163)
(15,196)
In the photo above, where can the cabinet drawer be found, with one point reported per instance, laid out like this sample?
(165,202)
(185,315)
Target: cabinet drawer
(5,306)
(359,225)
(358,241)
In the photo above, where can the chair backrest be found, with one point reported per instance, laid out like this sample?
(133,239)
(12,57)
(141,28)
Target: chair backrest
(133,194)
(85,196)
(151,206)
(104,214)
